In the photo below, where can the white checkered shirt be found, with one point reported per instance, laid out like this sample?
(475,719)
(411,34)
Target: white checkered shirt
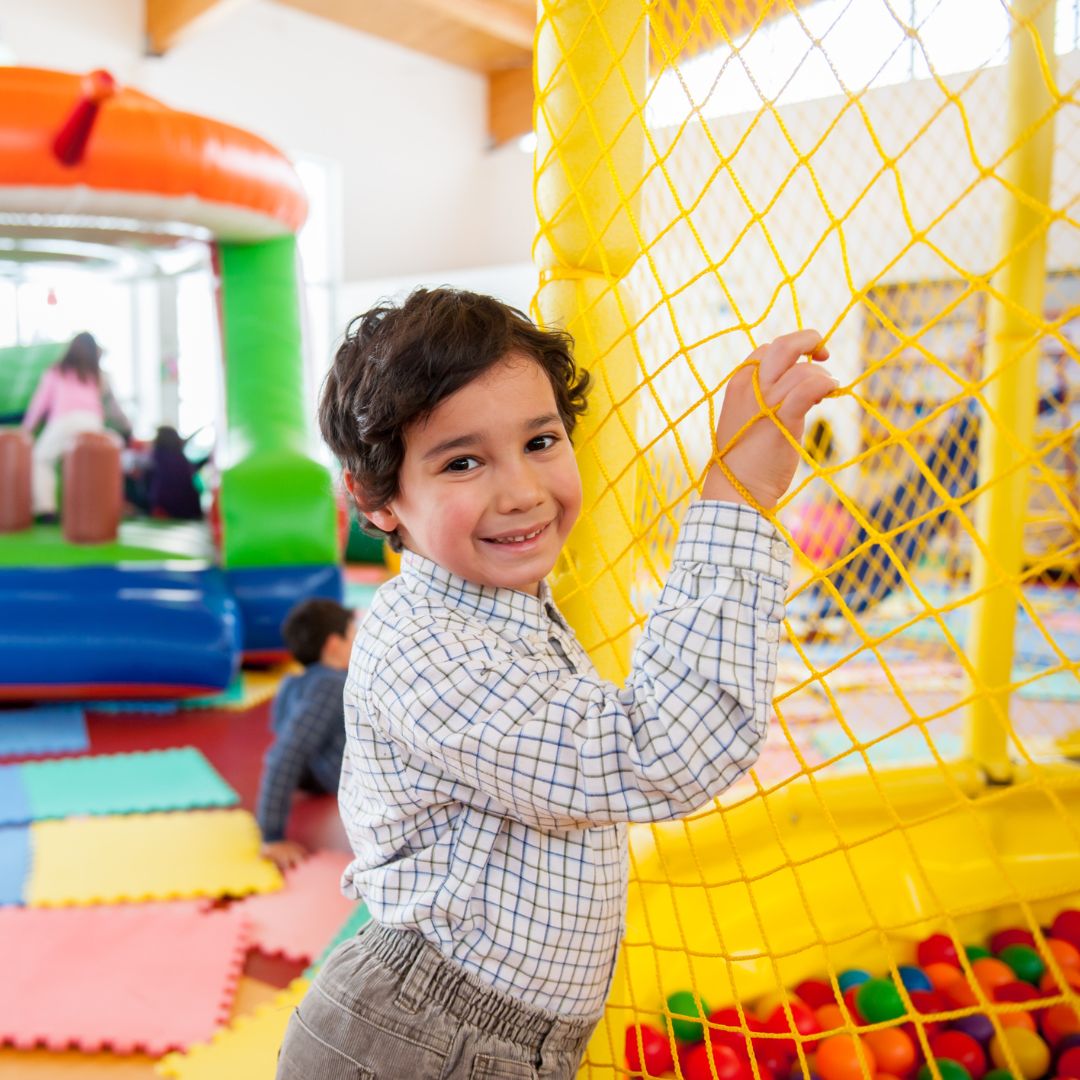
(489,769)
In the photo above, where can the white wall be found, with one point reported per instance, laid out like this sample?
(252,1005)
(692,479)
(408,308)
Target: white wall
(422,192)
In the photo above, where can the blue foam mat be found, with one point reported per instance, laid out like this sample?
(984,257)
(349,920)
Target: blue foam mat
(14,798)
(14,863)
(46,729)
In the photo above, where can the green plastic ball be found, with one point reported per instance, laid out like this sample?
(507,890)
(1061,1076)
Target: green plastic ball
(950,1070)
(998,1074)
(976,952)
(682,1005)
(1025,961)
(878,1000)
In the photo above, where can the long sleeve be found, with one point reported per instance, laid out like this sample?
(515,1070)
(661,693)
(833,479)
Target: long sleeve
(41,401)
(557,748)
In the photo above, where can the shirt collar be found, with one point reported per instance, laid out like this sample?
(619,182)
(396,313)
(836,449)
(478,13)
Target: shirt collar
(515,609)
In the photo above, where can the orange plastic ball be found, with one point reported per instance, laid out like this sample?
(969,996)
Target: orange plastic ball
(831,1018)
(959,994)
(1059,1021)
(893,1050)
(1064,952)
(990,972)
(845,1057)
(1048,984)
(1017,1020)
(940,975)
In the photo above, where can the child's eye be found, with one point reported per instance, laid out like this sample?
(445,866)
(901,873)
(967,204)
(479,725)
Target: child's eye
(542,442)
(462,464)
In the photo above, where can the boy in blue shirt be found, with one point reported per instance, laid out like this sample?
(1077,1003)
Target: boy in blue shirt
(489,771)
(307,721)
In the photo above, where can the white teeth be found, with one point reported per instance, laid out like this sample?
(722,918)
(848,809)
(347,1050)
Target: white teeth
(518,539)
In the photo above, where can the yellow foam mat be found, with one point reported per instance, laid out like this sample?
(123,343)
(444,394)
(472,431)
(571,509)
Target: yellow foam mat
(251,994)
(107,860)
(247,1048)
(260,686)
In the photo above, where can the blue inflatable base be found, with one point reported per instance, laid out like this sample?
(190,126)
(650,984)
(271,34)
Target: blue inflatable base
(151,629)
(265,595)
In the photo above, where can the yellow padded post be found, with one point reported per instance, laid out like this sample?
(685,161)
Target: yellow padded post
(1011,365)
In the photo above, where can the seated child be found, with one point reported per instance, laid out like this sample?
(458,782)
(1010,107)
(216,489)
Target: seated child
(489,771)
(307,721)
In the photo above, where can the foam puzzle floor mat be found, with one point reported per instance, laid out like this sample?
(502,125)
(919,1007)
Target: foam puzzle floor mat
(302,917)
(14,863)
(147,857)
(132,977)
(247,1048)
(158,780)
(45,729)
(106,1065)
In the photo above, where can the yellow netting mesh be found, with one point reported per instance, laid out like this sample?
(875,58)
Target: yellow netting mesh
(903,175)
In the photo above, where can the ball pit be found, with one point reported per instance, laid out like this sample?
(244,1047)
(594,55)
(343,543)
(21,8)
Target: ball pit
(865,1025)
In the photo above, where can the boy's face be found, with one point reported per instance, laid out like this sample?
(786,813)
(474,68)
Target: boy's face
(489,488)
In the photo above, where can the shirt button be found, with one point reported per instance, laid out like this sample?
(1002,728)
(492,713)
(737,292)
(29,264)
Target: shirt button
(780,550)
(772,632)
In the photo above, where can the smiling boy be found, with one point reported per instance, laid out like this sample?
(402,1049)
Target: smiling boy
(489,771)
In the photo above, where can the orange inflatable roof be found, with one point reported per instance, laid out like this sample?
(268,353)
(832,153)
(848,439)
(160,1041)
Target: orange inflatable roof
(133,157)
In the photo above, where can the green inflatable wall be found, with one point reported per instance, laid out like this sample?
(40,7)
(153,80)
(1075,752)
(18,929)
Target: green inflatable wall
(20,368)
(277,503)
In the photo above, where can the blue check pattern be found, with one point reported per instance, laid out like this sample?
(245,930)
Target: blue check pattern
(489,771)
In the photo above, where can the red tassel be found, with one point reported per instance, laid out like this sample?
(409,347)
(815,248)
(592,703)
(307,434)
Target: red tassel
(69,146)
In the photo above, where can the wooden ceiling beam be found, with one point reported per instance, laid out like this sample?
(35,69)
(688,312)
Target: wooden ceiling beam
(508,22)
(510,104)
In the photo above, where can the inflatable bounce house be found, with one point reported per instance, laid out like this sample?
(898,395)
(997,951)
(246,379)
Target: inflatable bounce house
(162,609)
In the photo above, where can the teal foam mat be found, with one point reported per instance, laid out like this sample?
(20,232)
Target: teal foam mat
(139,783)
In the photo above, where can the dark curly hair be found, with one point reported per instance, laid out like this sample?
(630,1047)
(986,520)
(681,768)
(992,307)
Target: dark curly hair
(310,623)
(398,362)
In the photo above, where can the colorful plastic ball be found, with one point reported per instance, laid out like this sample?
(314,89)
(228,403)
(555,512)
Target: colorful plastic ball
(831,1018)
(648,1050)
(893,1049)
(1031,1054)
(720,1020)
(941,974)
(976,952)
(799,1073)
(960,995)
(1027,964)
(816,992)
(1058,1023)
(949,1070)
(702,1062)
(803,1021)
(978,1025)
(1016,992)
(851,1005)
(914,978)
(682,1005)
(990,972)
(998,1074)
(1069,1063)
(937,949)
(1064,952)
(844,1057)
(852,977)
(879,1000)
(961,1048)
(1049,984)
(1066,926)
(1011,935)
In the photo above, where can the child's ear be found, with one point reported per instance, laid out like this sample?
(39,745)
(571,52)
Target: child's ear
(384,518)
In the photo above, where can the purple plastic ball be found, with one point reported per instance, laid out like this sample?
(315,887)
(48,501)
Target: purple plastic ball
(978,1026)
(798,1074)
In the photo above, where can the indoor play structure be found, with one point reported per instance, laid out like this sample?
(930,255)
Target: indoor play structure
(709,175)
(91,168)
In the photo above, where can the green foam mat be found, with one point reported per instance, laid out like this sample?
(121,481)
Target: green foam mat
(178,779)
(138,541)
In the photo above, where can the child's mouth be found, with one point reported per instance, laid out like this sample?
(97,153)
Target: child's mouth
(516,539)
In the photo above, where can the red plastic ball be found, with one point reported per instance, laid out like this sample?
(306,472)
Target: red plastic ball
(1069,1063)
(648,1050)
(937,949)
(725,1064)
(927,1002)
(803,1021)
(857,1017)
(961,1048)
(729,1018)
(1058,1022)
(1066,926)
(1012,935)
(1016,991)
(816,992)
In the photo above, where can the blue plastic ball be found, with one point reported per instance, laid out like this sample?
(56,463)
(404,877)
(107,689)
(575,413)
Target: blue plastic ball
(852,977)
(914,978)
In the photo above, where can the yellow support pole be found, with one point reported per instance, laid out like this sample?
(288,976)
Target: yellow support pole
(1011,364)
(591,79)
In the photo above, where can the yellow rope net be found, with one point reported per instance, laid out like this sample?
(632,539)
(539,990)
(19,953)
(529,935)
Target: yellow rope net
(902,175)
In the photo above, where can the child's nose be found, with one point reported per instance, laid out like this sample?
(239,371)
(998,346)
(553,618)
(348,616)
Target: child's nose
(520,489)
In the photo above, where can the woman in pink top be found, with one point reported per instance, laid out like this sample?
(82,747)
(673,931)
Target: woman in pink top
(73,396)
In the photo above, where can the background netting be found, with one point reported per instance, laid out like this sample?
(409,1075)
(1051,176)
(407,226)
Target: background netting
(902,175)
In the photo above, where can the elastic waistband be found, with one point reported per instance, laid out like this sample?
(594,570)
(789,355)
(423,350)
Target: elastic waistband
(430,976)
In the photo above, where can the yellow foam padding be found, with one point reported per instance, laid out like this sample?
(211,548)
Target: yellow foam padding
(260,686)
(108,860)
(735,903)
(251,995)
(247,1048)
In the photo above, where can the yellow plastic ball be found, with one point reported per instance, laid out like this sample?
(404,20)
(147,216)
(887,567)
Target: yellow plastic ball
(1031,1054)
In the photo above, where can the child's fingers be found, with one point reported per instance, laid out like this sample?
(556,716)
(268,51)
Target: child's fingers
(803,396)
(782,353)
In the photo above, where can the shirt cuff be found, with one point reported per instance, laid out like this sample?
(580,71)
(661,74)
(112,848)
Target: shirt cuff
(732,535)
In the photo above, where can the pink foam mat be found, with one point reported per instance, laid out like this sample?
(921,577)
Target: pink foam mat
(127,977)
(298,921)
